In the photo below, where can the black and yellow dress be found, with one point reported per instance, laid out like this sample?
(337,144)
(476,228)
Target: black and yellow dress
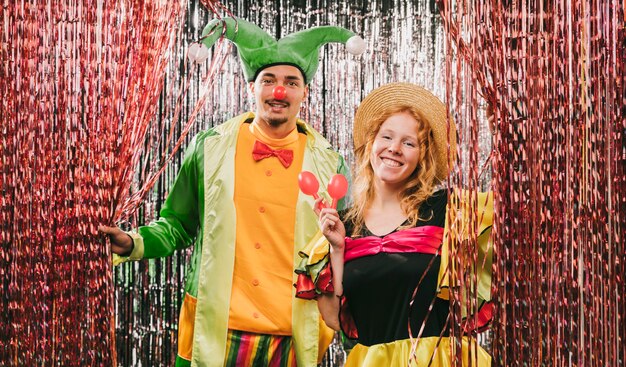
(381,274)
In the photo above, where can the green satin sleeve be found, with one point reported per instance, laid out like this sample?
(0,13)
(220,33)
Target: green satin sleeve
(179,219)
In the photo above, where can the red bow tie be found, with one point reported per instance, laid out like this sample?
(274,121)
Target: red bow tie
(261,151)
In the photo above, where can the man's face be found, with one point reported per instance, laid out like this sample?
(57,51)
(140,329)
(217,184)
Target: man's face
(273,111)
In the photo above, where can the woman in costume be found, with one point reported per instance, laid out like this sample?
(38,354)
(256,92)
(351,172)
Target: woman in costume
(388,253)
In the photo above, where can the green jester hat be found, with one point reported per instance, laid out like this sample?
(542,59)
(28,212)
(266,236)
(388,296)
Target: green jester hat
(258,50)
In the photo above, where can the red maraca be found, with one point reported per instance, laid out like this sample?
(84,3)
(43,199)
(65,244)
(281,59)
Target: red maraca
(309,185)
(279,92)
(337,188)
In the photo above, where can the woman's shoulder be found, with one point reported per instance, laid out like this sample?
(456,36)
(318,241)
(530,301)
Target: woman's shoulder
(438,200)
(439,194)
(433,209)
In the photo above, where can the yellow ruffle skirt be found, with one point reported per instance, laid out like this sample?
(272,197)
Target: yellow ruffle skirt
(396,354)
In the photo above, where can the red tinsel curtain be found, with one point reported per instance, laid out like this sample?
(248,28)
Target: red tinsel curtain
(80,81)
(554,74)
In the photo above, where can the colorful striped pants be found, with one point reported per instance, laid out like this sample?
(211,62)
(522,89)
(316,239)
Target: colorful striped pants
(244,349)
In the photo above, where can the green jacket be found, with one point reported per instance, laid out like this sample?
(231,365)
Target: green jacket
(200,210)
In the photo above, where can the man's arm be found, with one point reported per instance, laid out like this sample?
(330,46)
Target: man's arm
(179,218)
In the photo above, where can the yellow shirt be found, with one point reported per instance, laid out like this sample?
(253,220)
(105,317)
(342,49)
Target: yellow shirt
(265,199)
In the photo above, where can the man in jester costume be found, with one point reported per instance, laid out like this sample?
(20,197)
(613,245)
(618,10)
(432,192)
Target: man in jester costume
(236,200)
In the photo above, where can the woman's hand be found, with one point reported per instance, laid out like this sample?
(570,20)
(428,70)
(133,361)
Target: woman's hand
(335,232)
(332,227)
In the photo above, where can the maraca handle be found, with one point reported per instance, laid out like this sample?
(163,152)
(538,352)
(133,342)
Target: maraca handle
(321,204)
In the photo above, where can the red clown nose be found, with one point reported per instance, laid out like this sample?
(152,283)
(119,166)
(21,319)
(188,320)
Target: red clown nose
(279,92)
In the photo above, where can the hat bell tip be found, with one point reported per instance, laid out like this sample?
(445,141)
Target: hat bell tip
(355,45)
(198,52)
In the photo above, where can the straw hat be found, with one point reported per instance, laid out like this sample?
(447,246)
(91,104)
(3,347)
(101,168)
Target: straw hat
(430,107)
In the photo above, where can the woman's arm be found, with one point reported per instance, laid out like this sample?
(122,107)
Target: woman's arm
(328,305)
(335,232)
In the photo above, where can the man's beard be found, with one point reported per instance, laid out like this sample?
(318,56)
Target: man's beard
(275,122)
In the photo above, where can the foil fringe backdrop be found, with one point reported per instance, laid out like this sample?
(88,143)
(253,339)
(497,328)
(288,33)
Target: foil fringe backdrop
(406,41)
(147,321)
(554,74)
(79,94)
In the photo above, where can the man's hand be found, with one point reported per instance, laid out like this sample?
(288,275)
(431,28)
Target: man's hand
(121,243)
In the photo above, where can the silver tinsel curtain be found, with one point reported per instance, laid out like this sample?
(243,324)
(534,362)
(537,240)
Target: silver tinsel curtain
(405,42)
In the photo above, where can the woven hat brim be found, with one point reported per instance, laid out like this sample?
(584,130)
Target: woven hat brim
(431,109)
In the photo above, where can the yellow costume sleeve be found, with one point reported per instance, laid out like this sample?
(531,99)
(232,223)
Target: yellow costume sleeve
(467,249)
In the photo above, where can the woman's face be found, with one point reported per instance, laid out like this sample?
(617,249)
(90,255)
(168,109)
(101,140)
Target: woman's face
(395,151)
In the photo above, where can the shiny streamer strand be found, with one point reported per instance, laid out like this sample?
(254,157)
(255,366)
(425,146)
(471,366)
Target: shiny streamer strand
(153,169)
